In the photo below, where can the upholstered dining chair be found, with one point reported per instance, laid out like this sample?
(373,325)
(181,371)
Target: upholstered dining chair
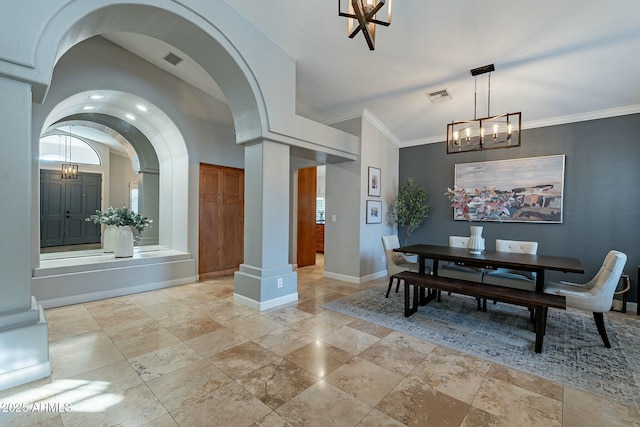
(455,271)
(396,261)
(596,295)
(510,278)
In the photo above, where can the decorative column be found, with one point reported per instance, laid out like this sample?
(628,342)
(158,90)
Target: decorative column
(24,341)
(266,278)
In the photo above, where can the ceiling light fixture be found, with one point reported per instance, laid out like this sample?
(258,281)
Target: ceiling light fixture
(485,133)
(69,170)
(362,17)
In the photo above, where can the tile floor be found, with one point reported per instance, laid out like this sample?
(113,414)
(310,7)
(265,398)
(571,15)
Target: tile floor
(190,356)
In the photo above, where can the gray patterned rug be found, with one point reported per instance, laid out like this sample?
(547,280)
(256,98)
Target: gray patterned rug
(573,353)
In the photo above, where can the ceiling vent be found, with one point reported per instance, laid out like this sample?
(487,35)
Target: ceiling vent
(172,59)
(439,96)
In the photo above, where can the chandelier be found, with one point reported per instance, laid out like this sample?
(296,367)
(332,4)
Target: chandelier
(362,17)
(486,133)
(69,170)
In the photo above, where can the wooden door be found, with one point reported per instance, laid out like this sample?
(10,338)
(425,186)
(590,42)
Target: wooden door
(221,236)
(307,188)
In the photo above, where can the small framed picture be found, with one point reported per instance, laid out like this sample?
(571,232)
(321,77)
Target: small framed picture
(374,182)
(374,211)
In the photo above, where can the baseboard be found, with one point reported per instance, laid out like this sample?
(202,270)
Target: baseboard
(353,279)
(265,305)
(25,375)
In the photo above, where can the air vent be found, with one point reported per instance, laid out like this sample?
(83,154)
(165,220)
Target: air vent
(172,59)
(439,96)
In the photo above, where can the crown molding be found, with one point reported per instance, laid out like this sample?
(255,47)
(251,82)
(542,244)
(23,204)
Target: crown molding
(561,120)
(366,114)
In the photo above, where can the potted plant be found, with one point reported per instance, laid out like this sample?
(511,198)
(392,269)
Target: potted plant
(118,235)
(410,207)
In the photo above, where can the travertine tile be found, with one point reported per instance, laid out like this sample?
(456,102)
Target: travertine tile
(272,420)
(393,355)
(82,353)
(319,358)
(284,341)
(519,406)
(277,382)
(527,381)
(351,340)
(242,359)
(194,328)
(602,407)
(229,405)
(324,405)
(416,404)
(68,321)
(316,327)
(163,361)
(190,384)
(452,373)
(216,342)
(370,328)
(137,345)
(254,327)
(364,380)
(288,316)
(376,418)
(134,406)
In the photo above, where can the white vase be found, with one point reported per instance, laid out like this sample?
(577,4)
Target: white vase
(476,241)
(108,238)
(123,242)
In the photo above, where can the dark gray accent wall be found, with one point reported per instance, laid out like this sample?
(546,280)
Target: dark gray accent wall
(601,193)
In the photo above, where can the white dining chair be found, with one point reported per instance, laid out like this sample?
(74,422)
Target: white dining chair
(511,278)
(455,271)
(596,295)
(396,261)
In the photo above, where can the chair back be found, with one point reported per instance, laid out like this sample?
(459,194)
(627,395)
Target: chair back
(458,241)
(606,281)
(516,246)
(390,242)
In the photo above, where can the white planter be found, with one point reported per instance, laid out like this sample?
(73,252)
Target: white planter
(108,238)
(476,241)
(123,242)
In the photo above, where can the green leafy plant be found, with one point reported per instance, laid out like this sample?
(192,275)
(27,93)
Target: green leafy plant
(122,217)
(410,207)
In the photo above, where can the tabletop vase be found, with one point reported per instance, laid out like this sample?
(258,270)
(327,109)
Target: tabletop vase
(109,236)
(476,241)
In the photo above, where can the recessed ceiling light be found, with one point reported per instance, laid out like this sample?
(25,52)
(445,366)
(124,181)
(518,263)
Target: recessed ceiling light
(131,117)
(141,108)
(88,107)
(96,96)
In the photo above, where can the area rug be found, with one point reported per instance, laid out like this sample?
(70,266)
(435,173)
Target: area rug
(573,353)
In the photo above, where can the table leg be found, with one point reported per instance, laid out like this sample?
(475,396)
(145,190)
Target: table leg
(541,323)
(540,281)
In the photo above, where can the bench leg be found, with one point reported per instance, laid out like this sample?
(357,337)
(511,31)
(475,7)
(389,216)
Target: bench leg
(410,308)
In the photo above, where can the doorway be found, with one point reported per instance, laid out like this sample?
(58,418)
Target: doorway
(64,206)
(307,233)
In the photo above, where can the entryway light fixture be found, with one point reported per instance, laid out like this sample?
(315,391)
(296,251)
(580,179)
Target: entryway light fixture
(488,132)
(69,170)
(362,17)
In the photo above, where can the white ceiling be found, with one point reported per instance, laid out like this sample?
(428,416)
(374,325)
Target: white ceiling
(556,61)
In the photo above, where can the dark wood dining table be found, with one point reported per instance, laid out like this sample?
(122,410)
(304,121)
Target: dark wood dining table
(489,259)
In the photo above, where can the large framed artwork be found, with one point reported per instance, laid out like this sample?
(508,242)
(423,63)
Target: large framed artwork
(374,181)
(535,186)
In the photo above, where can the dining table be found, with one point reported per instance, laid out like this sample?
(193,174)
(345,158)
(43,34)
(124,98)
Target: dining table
(491,260)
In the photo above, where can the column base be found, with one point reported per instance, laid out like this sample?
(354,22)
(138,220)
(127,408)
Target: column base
(24,351)
(262,289)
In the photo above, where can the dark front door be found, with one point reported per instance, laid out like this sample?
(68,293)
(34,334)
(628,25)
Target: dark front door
(64,205)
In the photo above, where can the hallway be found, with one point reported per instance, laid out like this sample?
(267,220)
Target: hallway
(190,356)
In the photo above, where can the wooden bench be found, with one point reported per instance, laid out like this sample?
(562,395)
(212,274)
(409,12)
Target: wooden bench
(539,302)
